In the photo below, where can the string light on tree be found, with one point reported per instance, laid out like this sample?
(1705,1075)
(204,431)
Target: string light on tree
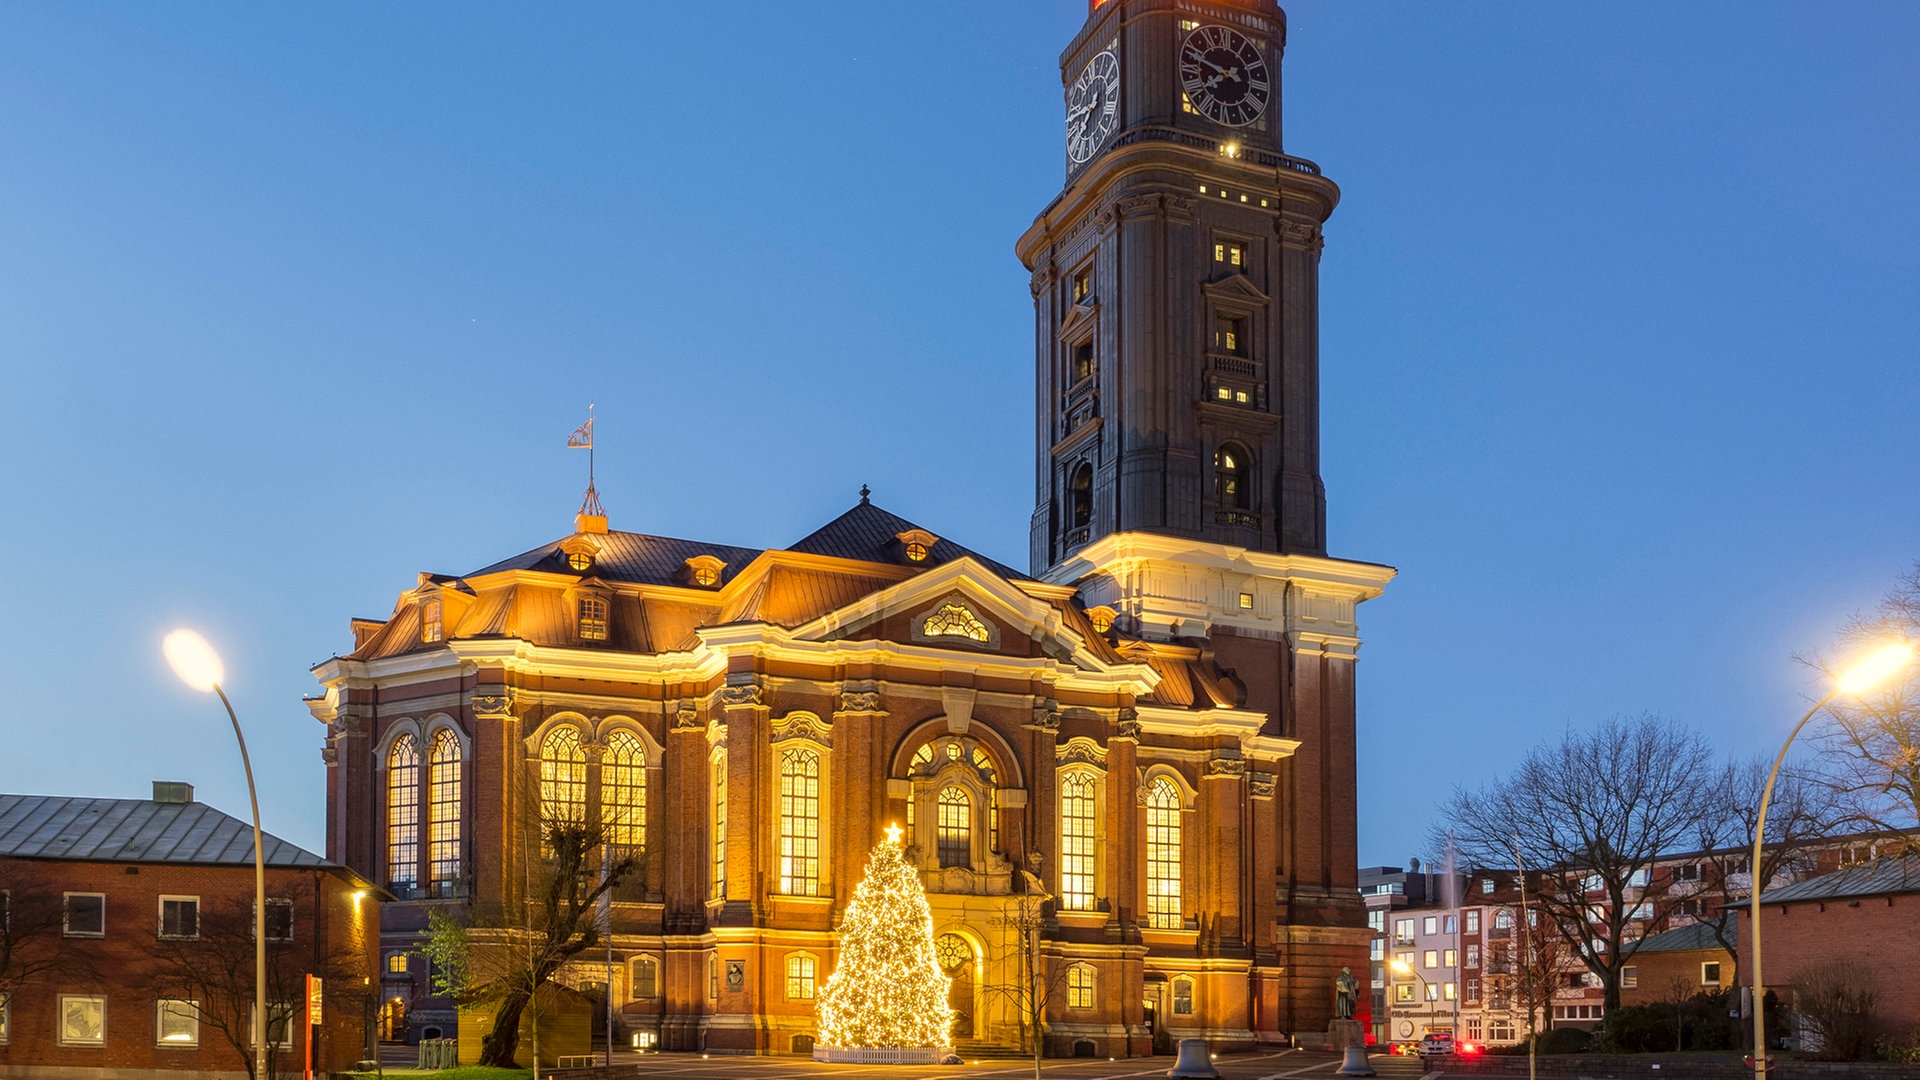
(887,989)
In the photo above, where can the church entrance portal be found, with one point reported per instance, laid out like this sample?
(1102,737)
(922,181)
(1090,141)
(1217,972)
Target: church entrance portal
(956,960)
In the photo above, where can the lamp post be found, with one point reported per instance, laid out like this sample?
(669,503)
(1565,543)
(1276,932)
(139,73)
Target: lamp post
(1879,666)
(199,667)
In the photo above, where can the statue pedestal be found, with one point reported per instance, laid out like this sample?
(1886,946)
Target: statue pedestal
(1350,1035)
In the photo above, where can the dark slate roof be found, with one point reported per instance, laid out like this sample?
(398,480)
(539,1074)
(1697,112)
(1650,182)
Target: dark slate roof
(1689,938)
(870,534)
(866,533)
(1876,878)
(136,830)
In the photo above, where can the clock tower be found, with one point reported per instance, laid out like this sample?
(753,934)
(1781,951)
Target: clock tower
(1176,295)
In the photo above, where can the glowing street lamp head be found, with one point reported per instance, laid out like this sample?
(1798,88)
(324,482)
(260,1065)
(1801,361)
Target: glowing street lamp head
(1403,967)
(1876,668)
(194,660)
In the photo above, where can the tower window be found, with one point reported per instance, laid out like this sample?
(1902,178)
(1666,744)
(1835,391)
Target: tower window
(1230,254)
(443,810)
(800,823)
(403,813)
(1080,497)
(1230,334)
(1082,285)
(717,884)
(563,777)
(955,834)
(1163,855)
(593,618)
(1078,838)
(430,627)
(1230,487)
(1082,361)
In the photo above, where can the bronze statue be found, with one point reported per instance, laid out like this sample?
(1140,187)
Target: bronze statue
(1346,991)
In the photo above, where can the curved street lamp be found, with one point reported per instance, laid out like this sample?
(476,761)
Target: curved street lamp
(1872,671)
(199,667)
(1401,967)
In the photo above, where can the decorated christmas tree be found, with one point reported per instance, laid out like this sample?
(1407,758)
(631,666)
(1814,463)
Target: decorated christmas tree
(886,989)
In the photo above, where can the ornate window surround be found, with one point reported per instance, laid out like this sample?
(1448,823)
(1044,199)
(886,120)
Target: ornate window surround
(955,599)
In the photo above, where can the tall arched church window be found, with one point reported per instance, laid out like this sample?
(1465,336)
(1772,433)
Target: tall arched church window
(1077,841)
(954,837)
(1080,497)
(717,881)
(443,812)
(623,790)
(403,813)
(800,822)
(1163,854)
(645,982)
(563,777)
(1080,986)
(1230,486)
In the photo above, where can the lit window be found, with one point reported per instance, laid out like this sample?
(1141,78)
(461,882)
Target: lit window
(954,835)
(180,917)
(1448,991)
(1240,397)
(1230,334)
(713,978)
(800,823)
(397,963)
(1246,601)
(1431,959)
(1433,992)
(1082,285)
(1101,618)
(623,790)
(1080,986)
(580,560)
(1430,925)
(86,915)
(1486,885)
(954,620)
(1186,106)
(1183,996)
(6,1018)
(1230,478)
(403,812)
(83,1020)
(1077,838)
(1630,977)
(176,1023)
(1223,393)
(706,576)
(800,971)
(718,881)
(430,629)
(1403,991)
(1163,855)
(593,618)
(563,777)
(1450,959)
(1230,254)
(646,979)
(1082,362)
(443,809)
(917,552)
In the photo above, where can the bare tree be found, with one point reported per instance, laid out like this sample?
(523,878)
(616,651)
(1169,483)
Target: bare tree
(211,971)
(1801,817)
(31,921)
(1593,814)
(1037,980)
(1870,750)
(1836,998)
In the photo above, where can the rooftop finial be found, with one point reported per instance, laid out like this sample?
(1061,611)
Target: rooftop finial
(865,491)
(592,516)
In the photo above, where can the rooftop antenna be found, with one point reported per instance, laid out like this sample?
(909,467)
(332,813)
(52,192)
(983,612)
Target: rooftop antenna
(592,516)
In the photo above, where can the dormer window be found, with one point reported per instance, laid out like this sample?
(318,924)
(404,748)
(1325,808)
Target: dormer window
(1101,618)
(580,560)
(430,626)
(917,552)
(581,551)
(705,571)
(593,618)
(917,544)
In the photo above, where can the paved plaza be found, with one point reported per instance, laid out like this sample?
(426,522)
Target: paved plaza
(1262,1066)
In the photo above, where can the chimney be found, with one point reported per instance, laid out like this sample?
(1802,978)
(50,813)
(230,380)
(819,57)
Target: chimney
(172,791)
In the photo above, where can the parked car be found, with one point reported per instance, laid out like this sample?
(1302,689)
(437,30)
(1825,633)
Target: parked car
(1437,1044)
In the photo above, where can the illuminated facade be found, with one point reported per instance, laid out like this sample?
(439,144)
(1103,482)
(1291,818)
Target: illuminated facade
(1148,742)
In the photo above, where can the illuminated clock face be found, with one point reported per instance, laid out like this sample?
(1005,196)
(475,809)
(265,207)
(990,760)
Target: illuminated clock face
(1225,75)
(1093,106)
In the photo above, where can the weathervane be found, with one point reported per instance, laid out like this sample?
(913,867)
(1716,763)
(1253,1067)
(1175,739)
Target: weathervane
(582,439)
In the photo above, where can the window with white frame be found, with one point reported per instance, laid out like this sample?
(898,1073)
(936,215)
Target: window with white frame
(279,1025)
(800,822)
(1163,855)
(1077,840)
(1080,986)
(176,1024)
(593,618)
(1430,925)
(1473,922)
(443,809)
(801,968)
(180,917)
(563,776)
(83,1020)
(644,982)
(717,881)
(1430,959)
(953,835)
(86,915)
(1710,973)
(1450,958)
(1503,919)
(1403,929)
(623,790)
(403,812)
(279,920)
(1182,996)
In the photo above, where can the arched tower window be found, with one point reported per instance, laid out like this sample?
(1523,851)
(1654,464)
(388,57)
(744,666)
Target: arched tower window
(443,811)
(403,813)
(800,823)
(623,790)
(1163,854)
(1080,497)
(1077,801)
(954,837)
(563,777)
(1230,478)
(717,882)
(1080,986)
(645,982)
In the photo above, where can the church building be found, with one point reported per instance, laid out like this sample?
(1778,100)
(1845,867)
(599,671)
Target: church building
(1143,747)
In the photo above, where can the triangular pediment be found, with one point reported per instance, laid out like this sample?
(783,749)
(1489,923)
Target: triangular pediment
(1081,318)
(1237,289)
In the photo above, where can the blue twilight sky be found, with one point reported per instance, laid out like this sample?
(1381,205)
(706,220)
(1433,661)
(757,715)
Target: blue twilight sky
(1619,337)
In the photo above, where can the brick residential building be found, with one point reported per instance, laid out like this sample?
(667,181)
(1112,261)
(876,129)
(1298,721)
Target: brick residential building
(1152,733)
(129,941)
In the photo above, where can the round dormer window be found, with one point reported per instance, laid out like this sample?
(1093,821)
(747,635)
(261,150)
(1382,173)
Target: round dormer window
(579,560)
